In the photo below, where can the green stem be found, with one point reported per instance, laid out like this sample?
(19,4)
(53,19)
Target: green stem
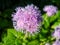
(25,36)
(24,39)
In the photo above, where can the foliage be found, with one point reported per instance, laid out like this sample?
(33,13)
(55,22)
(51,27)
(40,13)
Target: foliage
(9,36)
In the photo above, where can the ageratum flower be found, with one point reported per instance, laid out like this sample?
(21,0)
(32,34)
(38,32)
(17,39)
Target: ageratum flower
(27,18)
(57,42)
(56,33)
(50,10)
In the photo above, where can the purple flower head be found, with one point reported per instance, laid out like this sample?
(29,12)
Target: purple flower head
(56,33)
(50,10)
(27,18)
(57,42)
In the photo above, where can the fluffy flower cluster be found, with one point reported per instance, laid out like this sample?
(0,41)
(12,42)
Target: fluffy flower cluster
(27,18)
(56,33)
(50,10)
(57,42)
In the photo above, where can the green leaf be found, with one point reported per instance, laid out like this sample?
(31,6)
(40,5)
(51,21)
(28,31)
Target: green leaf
(18,42)
(35,42)
(55,17)
(46,21)
(9,39)
(1,43)
(16,33)
(12,38)
(42,38)
(55,24)
(44,31)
